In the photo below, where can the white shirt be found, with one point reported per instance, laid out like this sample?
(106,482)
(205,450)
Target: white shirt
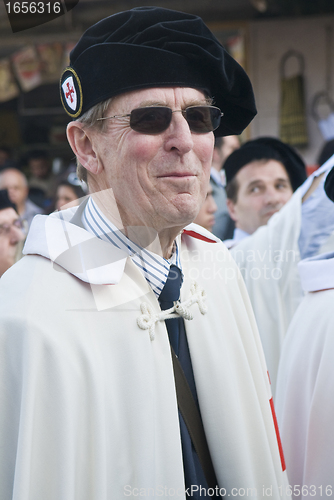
(154,267)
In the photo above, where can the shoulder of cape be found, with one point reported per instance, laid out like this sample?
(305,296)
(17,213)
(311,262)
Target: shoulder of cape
(199,233)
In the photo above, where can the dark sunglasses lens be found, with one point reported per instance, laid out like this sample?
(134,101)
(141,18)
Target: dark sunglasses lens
(203,119)
(150,120)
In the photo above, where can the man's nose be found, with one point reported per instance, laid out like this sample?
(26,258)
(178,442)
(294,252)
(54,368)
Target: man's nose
(178,134)
(273,196)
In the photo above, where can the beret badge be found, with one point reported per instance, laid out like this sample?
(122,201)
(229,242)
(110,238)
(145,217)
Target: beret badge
(71,92)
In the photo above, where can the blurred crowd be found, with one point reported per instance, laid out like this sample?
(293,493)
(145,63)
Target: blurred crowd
(30,187)
(35,183)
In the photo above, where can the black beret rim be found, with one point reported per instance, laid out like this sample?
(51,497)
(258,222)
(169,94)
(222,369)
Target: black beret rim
(77,80)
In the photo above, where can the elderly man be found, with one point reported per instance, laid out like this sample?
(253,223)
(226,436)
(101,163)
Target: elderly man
(11,232)
(114,387)
(17,185)
(261,177)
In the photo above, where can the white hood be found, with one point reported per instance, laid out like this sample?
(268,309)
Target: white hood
(72,247)
(60,238)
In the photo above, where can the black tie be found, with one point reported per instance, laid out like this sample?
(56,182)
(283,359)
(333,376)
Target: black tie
(170,294)
(193,472)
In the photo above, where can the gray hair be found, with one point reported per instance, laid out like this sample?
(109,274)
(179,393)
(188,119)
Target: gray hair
(90,120)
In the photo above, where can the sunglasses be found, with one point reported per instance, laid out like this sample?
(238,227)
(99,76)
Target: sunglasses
(156,119)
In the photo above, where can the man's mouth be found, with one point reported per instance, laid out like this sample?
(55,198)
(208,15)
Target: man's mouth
(177,175)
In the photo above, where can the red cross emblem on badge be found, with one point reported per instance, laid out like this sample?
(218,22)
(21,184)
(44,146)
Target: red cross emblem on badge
(70,93)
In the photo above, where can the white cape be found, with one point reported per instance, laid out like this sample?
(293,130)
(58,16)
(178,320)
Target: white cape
(268,261)
(88,405)
(305,384)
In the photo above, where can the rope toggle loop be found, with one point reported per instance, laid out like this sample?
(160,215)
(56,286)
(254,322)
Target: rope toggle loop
(148,319)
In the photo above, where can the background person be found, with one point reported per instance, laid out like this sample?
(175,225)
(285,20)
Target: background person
(42,181)
(260,178)
(68,192)
(11,233)
(17,185)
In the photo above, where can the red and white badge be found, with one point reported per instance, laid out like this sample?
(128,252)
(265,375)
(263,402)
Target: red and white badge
(71,92)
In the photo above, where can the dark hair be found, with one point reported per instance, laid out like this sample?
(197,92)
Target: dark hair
(77,190)
(232,189)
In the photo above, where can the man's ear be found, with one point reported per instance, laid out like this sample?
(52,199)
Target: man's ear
(82,146)
(231,209)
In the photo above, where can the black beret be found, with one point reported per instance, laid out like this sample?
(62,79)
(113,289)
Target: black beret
(267,148)
(148,47)
(5,201)
(329,184)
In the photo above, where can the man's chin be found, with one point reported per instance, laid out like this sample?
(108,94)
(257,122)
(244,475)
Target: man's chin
(185,221)
(190,212)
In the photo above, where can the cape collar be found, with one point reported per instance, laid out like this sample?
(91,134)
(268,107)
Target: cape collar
(61,238)
(73,248)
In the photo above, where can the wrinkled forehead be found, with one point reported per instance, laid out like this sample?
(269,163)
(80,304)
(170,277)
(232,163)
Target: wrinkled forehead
(8,215)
